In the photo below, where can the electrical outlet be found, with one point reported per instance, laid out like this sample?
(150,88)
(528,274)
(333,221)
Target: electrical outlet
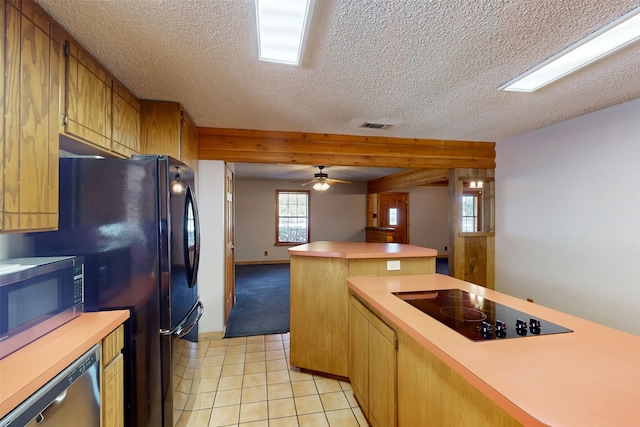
(266,253)
(393,265)
(445,248)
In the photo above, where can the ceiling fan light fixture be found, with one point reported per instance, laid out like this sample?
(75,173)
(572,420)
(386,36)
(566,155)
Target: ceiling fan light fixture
(321,186)
(282,29)
(610,38)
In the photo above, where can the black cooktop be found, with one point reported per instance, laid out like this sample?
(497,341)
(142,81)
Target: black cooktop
(478,318)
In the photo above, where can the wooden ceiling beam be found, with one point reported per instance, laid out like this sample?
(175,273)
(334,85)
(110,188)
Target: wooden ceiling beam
(406,179)
(253,146)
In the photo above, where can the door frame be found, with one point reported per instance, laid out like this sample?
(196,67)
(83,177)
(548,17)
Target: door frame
(229,239)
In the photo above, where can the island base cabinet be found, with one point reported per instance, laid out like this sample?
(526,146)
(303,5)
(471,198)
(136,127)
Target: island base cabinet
(359,354)
(319,315)
(320,306)
(372,365)
(431,393)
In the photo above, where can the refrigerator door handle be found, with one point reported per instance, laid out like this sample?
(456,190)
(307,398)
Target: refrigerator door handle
(180,329)
(191,237)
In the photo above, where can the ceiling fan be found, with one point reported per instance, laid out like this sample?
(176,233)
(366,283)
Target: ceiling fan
(322,182)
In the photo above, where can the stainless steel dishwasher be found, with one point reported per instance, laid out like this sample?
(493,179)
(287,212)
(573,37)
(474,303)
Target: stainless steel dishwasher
(72,398)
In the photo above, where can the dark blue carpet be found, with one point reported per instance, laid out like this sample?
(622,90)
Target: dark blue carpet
(442,266)
(262,301)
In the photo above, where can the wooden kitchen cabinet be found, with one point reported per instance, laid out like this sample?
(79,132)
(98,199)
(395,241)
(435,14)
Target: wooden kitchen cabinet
(359,353)
(190,143)
(52,87)
(99,111)
(320,298)
(372,365)
(88,100)
(112,384)
(166,128)
(32,68)
(432,393)
(126,121)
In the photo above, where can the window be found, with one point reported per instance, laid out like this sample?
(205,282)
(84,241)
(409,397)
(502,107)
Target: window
(470,212)
(292,217)
(393,216)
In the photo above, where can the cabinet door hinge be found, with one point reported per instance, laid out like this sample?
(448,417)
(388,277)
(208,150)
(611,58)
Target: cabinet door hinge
(67,49)
(65,119)
(395,342)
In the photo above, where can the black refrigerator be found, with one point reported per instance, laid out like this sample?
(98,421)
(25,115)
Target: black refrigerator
(135,222)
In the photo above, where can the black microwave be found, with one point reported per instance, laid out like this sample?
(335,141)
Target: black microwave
(37,295)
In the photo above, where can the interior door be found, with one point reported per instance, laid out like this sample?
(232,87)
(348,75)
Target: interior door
(229,279)
(393,212)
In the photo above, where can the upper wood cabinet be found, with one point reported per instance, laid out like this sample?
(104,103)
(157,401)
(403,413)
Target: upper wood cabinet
(98,110)
(88,100)
(166,128)
(126,121)
(32,67)
(190,143)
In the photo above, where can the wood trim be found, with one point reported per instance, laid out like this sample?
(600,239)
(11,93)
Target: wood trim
(271,261)
(477,234)
(406,179)
(255,146)
(475,178)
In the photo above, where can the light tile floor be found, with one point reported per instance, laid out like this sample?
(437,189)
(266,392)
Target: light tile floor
(249,382)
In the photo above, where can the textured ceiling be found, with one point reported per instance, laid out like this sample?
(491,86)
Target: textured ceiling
(431,68)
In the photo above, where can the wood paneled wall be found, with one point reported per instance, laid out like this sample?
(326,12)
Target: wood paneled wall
(472,255)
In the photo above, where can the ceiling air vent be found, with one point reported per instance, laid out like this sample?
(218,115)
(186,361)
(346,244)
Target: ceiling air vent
(368,125)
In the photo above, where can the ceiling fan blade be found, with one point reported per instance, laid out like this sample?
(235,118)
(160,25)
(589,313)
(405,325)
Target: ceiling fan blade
(337,181)
(309,182)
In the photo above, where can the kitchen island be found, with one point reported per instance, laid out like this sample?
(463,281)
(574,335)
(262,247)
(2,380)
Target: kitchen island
(320,299)
(26,370)
(587,377)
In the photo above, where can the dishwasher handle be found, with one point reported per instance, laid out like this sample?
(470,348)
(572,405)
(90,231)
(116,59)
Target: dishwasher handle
(40,418)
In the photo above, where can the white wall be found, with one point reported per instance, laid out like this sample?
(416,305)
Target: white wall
(211,198)
(429,217)
(338,214)
(568,216)
(14,246)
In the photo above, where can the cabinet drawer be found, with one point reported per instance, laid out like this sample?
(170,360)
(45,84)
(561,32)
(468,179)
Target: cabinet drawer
(113,369)
(112,345)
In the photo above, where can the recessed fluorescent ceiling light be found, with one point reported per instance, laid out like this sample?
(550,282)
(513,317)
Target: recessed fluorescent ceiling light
(282,27)
(608,39)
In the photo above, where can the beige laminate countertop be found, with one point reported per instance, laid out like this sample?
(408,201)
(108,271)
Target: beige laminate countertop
(590,377)
(23,372)
(355,250)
